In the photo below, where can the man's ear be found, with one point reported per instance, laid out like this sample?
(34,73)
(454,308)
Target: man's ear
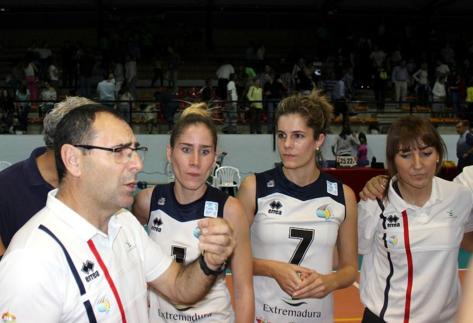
(72,158)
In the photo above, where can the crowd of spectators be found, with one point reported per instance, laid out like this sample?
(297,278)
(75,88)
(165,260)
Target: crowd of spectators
(431,73)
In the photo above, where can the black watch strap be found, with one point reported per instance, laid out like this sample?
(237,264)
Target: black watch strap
(207,270)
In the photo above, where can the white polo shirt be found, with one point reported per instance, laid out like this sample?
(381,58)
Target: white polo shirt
(36,282)
(410,264)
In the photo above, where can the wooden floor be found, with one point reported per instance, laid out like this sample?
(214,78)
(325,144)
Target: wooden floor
(348,307)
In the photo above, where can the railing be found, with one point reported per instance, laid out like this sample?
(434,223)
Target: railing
(139,112)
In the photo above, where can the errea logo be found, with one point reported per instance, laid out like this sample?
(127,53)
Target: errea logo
(393,221)
(275,207)
(88,269)
(157,223)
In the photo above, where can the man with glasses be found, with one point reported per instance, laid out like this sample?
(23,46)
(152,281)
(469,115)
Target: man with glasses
(24,186)
(84,257)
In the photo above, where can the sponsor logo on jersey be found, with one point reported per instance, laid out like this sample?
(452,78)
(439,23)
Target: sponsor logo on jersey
(392,241)
(8,317)
(332,188)
(104,305)
(183,317)
(88,269)
(275,207)
(270,183)
(451,213)
(393,221)
(323,212)
(211,209)
(157,223)
(290,312)
(162,201)
(293,302)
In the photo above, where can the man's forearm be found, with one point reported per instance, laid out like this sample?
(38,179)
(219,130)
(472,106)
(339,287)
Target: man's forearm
(192,284)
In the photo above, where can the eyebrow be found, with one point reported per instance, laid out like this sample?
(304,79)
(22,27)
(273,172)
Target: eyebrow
(191,145)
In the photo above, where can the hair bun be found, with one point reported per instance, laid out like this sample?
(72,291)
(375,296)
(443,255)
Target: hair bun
(200,108)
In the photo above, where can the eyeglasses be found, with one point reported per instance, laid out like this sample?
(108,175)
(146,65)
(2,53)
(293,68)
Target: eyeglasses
(122,154)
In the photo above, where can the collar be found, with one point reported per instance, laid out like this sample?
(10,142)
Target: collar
(80,226)
(399,204)
(31,169)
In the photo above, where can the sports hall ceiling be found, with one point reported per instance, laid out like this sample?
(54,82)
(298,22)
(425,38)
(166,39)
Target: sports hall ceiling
(442,7)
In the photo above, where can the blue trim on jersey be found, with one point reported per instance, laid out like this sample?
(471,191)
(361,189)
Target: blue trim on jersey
(391,265)
(75,274)
(163,198)
(274,181)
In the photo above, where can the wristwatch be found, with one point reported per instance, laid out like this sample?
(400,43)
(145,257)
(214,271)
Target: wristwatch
(207,271)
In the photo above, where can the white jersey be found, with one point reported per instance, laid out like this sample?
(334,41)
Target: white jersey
(50,272)
(297,225)
(410,268)
(172,226)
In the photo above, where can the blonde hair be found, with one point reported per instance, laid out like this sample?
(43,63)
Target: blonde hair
(199,108)
(196,113)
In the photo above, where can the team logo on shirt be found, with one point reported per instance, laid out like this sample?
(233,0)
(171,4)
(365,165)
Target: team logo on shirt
(270,183)
(323,212)
(88,269)
(157,223)
(393,221)
(275,207)
(104,305)
(162,201)
(451,214)
(392,241)
(8,317)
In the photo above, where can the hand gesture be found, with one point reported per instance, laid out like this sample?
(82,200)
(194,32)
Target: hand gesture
(288,276)
(315,285)
(374,188)
(216,241)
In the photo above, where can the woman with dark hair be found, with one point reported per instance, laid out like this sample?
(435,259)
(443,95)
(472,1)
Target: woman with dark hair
(298,216)
(172,211)
(410,239)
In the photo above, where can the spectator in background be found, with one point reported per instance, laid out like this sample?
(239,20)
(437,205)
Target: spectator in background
(31,76)
(455,90)
(53,74)
(362,154)
(158,71)
(255,97)
(231,107)
(339,98)
(439,94)
(464,145)
(400,78)
(107,91)
(274,91)
(49,97)
(126,103)
(174,61)
(346,143)
(379,87)
(206,92)
(23,107)
(168,103)
(7,111)
(131,75)
(223,76)
(421,77)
